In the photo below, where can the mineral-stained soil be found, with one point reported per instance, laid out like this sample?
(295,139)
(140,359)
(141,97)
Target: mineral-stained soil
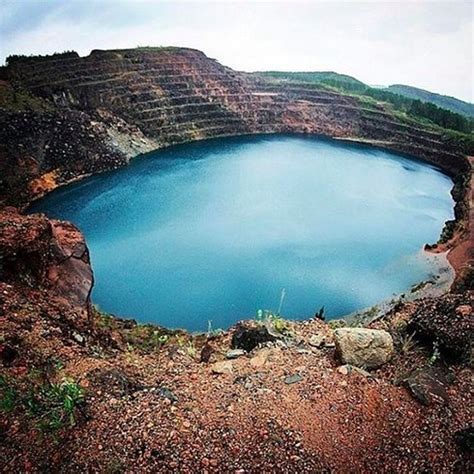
(147,399)
(152,405)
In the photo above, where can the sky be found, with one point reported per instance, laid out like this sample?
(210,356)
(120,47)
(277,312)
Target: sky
(428,44)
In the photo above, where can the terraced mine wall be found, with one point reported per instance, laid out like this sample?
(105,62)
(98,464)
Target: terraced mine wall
(94,113)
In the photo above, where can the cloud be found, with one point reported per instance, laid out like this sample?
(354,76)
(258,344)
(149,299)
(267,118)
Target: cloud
(426,44)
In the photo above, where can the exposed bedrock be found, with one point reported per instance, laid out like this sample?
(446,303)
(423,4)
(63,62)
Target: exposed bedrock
(98,111)
(44,254)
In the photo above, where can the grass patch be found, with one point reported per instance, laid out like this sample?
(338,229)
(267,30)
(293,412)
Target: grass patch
(147,337)
(275,321)
(51,406)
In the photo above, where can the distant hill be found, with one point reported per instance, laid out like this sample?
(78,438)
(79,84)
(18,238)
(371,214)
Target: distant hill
(441,110)
(443,101)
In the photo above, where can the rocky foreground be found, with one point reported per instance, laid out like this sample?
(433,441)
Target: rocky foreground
(83,391)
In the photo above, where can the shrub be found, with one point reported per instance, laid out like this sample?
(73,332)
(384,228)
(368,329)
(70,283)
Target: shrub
(407,343)
(52,406)
(278,323)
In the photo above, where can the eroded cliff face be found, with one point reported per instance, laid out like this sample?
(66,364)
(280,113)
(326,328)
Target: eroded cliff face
(46,255)
(102,109)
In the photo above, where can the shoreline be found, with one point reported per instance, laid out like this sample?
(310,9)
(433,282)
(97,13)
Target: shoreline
(439,284)
(460,247)
(456,253)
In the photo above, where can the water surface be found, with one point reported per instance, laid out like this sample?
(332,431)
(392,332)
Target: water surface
(215,230)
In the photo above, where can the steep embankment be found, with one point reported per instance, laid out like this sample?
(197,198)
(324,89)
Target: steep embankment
(120,397)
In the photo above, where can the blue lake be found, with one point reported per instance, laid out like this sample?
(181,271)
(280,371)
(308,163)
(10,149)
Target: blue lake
(214,230)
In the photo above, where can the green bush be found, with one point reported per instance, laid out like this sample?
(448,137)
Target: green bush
(54,405)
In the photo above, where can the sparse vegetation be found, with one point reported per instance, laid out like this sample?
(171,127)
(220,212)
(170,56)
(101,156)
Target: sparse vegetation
(448,231)
(104,320)
(147,337)
(18,100)
(407,343)
(277,322)
(8,395)
(52,406)
(337,323)
(211,332)
(17,58)
(436,354)
(422,111)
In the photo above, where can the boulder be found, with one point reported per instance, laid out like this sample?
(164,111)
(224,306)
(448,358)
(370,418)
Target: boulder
(46,254)
(368,348)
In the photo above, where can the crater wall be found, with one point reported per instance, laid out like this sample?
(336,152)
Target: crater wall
(98,111)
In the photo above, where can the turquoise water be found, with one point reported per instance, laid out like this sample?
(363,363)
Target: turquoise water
(215,230)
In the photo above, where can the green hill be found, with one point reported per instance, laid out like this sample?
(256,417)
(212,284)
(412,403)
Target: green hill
(443,101)
(427,106)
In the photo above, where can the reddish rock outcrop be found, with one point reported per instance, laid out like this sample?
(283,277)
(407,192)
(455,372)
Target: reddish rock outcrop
(47,255)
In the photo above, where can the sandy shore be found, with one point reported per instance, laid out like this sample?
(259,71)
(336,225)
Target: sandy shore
(460,249)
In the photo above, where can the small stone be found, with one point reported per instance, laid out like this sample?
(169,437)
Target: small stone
(235,353)
(187,424)
(317,340)
(168,394)
(260,359)
(206,353)
(77,337)
(464,310)
(344,369)
(293,379)
(223,367)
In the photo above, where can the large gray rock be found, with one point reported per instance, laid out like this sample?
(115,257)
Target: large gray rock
(367,348)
